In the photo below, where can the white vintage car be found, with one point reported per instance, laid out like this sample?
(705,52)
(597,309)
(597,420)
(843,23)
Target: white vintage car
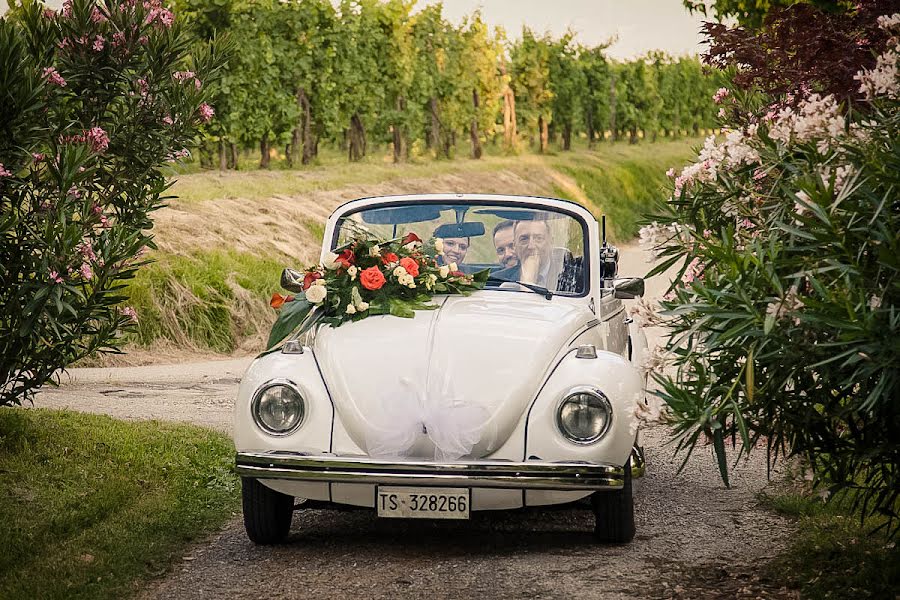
(519,395)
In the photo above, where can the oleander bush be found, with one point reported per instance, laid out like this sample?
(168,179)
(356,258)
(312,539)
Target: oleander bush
(94,101)
(785,315)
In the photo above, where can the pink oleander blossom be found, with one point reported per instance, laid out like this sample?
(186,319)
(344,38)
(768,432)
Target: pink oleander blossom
(38,156)
(86,249)
(67,8)
(98,139)
(99,42)
(118,39)
(49,13)
(74,192)
(130,313)
(86,272)
(4,172)
(720,95)
(104,222)
(97,15)
(54,277)
(206,112)
(168,120)
(53,77)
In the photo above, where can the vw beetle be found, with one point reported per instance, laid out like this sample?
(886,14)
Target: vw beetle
(520,394)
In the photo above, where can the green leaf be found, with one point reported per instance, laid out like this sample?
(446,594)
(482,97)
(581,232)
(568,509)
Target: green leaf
(768,324)
(291,316)
(719,447)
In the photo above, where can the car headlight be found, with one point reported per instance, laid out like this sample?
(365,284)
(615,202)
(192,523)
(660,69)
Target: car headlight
(584,415)
(278,408)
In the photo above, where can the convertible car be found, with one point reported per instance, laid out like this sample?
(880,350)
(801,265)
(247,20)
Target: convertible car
(521,394)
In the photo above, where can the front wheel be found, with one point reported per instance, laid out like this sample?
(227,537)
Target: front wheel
(267,513)
(614,512)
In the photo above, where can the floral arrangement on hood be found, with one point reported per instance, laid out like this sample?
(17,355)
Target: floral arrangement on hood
(369,276)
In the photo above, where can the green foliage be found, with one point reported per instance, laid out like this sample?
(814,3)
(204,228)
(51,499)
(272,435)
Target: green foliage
(359,74)
(752,13)
(93,506)
(833,555)
(784,320)
(95,100)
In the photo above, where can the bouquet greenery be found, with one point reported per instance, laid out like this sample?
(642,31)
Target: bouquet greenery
(368,276)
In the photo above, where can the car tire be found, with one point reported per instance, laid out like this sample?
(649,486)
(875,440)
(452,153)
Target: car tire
(614,513)
(267,513)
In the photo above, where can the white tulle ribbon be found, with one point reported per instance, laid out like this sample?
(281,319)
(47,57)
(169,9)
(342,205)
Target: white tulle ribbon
(406,414)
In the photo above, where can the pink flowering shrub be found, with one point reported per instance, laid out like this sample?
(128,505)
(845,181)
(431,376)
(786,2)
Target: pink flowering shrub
(82,144)
(784,318)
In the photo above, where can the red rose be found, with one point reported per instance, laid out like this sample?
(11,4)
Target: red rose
(346,258)
(371,278)
(309,278)
(411,266)
(411,237)
(389,257)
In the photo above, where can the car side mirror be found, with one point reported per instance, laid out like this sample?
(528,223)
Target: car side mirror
(627,288)
(292,280)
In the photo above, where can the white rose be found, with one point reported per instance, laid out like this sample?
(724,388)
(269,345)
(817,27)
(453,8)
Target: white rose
(352,272)
(362,306)
(351,310)
(375,251)
(319,282)
(399,272)
(411,246)
(329,262)
(453,267)
(407,280)
(444,271)
(316,293)
(439,246)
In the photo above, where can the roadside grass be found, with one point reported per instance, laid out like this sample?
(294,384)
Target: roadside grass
(625,182)
(832,555)
(204,300)
(93,507)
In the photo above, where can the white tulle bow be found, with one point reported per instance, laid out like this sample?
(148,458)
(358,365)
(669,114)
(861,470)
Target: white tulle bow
(405,414)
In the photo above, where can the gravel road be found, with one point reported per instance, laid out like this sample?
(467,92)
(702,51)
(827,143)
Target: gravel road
(695,538)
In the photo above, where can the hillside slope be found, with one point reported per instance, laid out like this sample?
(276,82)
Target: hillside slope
(223,242)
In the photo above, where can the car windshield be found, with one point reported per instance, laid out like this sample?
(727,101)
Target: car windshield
(538,246)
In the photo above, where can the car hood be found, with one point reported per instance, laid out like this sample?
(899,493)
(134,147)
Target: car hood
(448,383)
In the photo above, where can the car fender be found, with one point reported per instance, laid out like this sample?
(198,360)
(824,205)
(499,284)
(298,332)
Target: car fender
(612,374)
(314,433)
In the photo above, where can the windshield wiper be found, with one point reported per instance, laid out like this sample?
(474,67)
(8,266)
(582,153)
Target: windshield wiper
(534,288)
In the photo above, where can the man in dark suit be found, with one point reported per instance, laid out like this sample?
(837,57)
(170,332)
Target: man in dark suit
(533,245)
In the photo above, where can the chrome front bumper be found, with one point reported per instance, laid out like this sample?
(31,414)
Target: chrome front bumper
(534,475)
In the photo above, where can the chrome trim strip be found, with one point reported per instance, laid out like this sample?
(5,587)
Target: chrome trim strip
(477,473)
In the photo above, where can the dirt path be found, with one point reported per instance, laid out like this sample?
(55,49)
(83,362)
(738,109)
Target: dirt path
(695,538)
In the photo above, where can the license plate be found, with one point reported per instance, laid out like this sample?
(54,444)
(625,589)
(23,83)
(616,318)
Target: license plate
(423,502)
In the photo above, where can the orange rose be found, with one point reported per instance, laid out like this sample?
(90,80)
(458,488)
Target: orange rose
(411,266)
(371,278)
(389,257)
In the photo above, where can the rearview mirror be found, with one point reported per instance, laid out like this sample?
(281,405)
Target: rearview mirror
(627,288)
(292,280)
(459,230)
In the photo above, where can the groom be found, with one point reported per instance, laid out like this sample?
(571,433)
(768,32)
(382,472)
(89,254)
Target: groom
(533,246)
